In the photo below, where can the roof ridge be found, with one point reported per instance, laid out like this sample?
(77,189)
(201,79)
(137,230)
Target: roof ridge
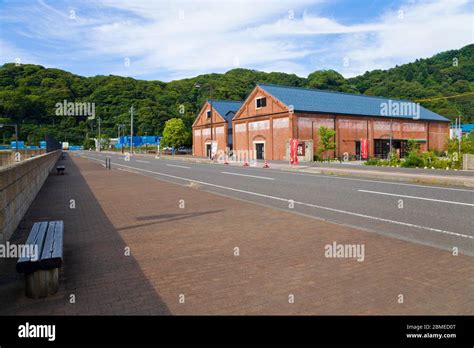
(333,92)
(226,101)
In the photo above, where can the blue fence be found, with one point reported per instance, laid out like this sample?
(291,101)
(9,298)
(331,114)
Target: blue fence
(21,146)
(137,140)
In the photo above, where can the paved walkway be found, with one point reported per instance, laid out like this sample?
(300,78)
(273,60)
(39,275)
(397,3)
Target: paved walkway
(190,251)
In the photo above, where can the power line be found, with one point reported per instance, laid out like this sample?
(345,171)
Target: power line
(452,96)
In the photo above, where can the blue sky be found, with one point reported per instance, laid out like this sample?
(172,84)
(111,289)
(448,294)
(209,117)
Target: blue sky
(167,40)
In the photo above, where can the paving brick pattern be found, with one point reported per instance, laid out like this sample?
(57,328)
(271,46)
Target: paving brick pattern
(190,251)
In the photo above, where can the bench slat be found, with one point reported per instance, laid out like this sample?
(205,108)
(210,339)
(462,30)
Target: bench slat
(58,241)
(52,254)
(36,238)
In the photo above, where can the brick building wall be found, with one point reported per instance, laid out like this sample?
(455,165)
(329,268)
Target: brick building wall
(274,123)
(202,131)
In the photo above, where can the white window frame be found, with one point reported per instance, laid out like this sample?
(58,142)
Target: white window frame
(262,97)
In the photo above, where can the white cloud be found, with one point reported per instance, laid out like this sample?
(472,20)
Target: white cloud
(171,39)
(12,54)
(421,31)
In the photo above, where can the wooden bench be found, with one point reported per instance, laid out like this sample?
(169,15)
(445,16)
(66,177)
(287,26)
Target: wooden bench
(41,267)
(60,169)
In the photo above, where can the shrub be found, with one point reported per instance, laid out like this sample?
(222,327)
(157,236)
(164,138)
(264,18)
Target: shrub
(413,160)
(89,144)
(372,162)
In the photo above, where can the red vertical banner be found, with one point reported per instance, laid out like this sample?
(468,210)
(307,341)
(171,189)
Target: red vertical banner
(364,148)
(294,151)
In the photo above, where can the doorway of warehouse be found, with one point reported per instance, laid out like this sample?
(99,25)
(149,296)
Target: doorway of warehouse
(208,150)
(260,150)
(382,147)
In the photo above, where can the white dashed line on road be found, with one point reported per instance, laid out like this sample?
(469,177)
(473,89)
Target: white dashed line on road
(414,197)
(251,176)
(175,165)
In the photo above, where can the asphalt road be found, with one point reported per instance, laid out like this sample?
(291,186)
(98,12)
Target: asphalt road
(442,217)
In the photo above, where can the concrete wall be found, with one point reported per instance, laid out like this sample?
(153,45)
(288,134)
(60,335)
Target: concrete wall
(19,185)
(8,156)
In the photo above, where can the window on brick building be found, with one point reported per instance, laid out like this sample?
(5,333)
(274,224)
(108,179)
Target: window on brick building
(261,102)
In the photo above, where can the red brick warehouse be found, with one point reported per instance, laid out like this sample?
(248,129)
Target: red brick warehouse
(216,115)
(272,114)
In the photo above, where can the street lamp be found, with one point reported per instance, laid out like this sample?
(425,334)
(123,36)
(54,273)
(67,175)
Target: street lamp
(197,85)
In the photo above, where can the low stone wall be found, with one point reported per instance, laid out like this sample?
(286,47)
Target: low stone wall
(8,156)
(19,185)
(468,162)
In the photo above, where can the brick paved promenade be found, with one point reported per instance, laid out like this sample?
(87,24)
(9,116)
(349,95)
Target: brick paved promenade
(191,251)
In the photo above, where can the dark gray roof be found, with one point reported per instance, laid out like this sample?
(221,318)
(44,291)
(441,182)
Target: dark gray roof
(226,108)
(315,100)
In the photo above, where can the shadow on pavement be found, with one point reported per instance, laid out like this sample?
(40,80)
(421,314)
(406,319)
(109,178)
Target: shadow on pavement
(96,272)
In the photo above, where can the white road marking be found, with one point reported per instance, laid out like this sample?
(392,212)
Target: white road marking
(414,197)
(175,165)
(251,176)
(350,179)
(364,180)
(304,204)
(142,161)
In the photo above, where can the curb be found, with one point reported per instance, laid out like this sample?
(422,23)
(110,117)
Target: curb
(401,177)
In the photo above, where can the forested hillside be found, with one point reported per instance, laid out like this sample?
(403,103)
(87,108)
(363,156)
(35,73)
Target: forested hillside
(29,93)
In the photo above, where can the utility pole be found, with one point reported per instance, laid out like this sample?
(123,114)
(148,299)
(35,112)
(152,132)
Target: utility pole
(131,129)
(391,137)
(460,136)
(99,135)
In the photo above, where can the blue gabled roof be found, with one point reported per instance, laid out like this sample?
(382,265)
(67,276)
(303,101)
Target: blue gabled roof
(315,100)
(226,108)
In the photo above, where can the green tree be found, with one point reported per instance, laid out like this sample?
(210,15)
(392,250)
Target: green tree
(329,80)
(175,133)
(326,141)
